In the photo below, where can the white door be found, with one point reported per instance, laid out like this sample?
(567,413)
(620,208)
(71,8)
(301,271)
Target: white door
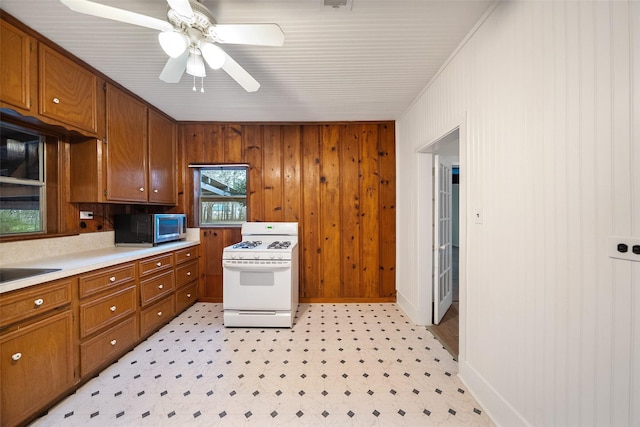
(442,271)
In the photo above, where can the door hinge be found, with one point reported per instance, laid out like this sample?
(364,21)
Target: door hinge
(105,192)
(104,87)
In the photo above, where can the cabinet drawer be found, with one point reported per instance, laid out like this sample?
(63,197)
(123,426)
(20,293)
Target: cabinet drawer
(106,279)
(185,255)
(157,287)
(98,313)
(155,264)
(37,366)
(108,345)
(186,273)
(27,302)
(156,315)
(186,296)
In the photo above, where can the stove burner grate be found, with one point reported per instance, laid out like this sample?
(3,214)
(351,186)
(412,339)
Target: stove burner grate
(279,245)
(247,244)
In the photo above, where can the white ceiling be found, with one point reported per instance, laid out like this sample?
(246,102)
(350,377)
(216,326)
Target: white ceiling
(364,63)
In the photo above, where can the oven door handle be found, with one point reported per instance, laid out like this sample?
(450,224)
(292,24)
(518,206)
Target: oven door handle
(255,267)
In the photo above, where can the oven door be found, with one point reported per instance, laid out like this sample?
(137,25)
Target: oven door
(256,285)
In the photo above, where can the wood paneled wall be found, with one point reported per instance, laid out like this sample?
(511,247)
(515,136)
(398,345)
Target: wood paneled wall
(337,180)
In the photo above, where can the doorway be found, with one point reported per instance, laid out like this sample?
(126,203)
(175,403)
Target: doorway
(444,316)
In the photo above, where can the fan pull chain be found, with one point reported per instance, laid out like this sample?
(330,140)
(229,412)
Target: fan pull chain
(202,85)
(194,83)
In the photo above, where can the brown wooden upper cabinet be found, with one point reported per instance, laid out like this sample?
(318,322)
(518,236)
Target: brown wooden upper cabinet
(38,81)
(18,59)
(68,92)
(134,163)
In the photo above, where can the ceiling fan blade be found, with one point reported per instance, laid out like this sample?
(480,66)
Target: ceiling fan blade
(182,7)
(174,69)
(115,14)
(254,34)
(239,74)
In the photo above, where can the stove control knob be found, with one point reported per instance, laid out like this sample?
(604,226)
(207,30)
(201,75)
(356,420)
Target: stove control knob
(257,256)
(273,256)
(279,256)
(240,256)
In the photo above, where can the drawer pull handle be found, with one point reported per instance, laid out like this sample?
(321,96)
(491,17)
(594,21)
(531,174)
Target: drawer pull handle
(112,279)
(38,302)
(113,342)
(159,313)
(155,190)
(188,253)
(56,100)
(160,286)
(141,189)
(158,263)
(188,273)
(16,356)
(188,295)
(112,308)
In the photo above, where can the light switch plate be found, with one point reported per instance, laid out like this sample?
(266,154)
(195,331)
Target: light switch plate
(86,215)
(629,242)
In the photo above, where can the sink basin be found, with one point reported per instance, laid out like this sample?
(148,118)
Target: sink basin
(9,274)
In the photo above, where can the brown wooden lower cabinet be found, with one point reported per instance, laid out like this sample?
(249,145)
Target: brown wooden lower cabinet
(105,347)
(35,366)
(156,315)
(65,331)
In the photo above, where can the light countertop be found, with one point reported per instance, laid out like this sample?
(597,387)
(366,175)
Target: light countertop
(73,263)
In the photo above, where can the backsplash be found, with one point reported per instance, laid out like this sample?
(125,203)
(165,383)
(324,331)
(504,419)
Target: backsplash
(17,252)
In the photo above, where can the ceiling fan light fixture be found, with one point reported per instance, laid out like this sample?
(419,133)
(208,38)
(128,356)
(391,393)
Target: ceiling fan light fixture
(173,43)
(195,65)
(214,56)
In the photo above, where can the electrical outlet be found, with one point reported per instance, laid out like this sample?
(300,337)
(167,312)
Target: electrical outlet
(86,215)
(625,248)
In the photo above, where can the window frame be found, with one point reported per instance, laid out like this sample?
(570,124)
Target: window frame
(197,193)
(40,183)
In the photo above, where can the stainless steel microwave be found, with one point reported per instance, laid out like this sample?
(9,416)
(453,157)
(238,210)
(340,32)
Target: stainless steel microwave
(149,229)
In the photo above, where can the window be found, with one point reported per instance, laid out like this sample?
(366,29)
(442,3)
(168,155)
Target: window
(22,182)
(222,194)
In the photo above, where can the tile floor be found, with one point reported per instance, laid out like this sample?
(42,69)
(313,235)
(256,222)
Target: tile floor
(341,364)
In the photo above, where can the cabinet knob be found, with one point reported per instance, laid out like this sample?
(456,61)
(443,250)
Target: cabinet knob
(188,273)
(16,356)
(160,286)
(141,189)
(188,254)
(155,190)
(56,100)
(112,279)
(38,302)
(112,308)
(114,342)
(159,314)
(188,295)
(158,263)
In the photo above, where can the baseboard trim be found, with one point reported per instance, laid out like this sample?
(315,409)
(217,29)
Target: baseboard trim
(497,408)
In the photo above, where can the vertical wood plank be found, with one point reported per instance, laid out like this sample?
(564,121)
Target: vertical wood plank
(369,214)
(291,173)
(272,172)
(349,151)
(252,155)
(387,224)
(191,149)
(232,134)
(310,240)
(212,144)
(330,211)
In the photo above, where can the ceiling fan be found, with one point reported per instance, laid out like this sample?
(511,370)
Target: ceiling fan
(190,36)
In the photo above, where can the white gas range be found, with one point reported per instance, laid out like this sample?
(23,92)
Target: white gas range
(260,276)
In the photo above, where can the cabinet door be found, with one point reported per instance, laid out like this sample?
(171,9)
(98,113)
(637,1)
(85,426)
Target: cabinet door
(126,148)
(162,160)
(36,366)
(68,92)
(17,62)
